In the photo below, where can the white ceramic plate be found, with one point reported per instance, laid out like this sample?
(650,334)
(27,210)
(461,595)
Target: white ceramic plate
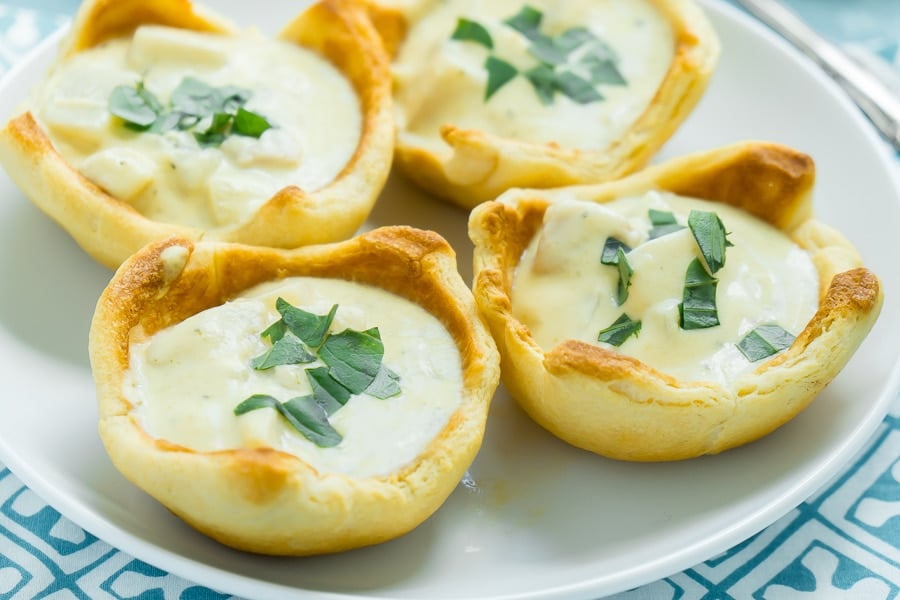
(537,519)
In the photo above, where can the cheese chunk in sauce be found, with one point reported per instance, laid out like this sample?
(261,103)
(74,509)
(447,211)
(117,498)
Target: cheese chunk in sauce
(314,111)
(562,291)
(440,81)
(185,381)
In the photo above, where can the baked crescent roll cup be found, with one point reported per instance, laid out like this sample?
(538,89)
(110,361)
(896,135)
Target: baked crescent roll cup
(473,165)
(261,499)
(597,398)
(110,229)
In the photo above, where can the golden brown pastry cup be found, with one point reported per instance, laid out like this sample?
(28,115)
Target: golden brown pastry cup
(264,500)
(110,230)
(615,405)
(478,166)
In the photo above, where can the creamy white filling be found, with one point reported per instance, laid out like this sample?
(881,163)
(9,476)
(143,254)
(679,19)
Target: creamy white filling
(186,380)
(441,81)
(562,291)
(170,178)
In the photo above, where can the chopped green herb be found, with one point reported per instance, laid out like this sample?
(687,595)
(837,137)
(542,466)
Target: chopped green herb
(610,254)
(308,327)
(710,234)
(661,217)
(249,124)
(386,384)
(625,273)
(577,88)
(303,413)
(169,121)
(135,105)
(663,222)
(547,51)
(573,62)
(527,21)
(764,341)
(621,329)
(543,80)
(219,111)
(219,124)
(499,73)
(574,38)
(327,391)
(286,351)
(275,331)
(603,71)
(698,306)
(354,357)
(353,365)
(467,30)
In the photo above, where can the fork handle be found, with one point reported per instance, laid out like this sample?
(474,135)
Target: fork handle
(880,104)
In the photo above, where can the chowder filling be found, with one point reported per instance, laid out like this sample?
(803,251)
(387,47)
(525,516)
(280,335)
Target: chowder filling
(441,76)
(562,290)
(175,176)
(185,381)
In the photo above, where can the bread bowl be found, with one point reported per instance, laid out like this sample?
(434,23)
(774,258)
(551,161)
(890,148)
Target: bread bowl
(174,344)
(485,102)
(163,119)
(629,372)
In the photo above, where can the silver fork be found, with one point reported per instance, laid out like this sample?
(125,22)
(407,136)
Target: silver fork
(879,103)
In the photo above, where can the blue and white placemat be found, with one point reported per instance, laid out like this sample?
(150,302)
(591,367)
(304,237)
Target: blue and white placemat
(842,543)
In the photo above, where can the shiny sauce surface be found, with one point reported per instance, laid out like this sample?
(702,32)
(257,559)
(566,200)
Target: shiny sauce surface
(561,290)
(186,380)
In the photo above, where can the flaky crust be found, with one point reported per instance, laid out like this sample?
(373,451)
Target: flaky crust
(612,404)
(478,166)
(110,230)
(264,500)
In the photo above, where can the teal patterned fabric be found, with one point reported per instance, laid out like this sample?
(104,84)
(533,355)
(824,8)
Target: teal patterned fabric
(843,543)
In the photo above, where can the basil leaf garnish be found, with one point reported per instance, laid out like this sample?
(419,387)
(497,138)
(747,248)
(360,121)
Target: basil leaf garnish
(306,411)
(611,246)
(385,385)
(250,124)
(327,391)
(219,111)
(500,73)
(663,222)
(574,62)
(661,217)
(710,234)
(134,105)
(577,88)
(354,357)
(308,327)
(546,50)
(543,80)
(527,21)
(353,365)
(625,273)
(468,30)
(275,331)
(286,351)
(698,307)
(765,341)
(621,329)
(604,72)
(303,413)
(573,38)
